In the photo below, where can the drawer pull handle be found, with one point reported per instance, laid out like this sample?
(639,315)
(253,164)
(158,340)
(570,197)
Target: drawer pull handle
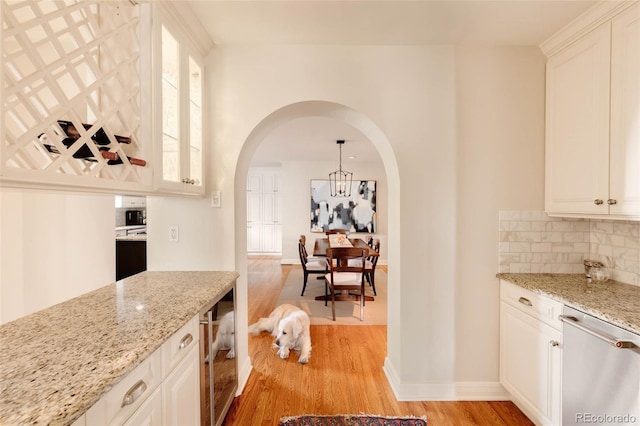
(134,393)
(186,340)
(525,301)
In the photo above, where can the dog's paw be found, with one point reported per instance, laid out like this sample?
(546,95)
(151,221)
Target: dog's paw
(284,353)
(231,354)
(303,360)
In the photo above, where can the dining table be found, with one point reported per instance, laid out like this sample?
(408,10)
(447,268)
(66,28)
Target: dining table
(322,244)
(320,249)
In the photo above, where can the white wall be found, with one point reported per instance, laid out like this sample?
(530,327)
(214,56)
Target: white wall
(295,185)
(53,246)
(408,92)
(461,138)
(500,113)
(203,242)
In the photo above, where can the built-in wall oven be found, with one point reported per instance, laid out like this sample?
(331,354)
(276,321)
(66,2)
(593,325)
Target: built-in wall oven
(600,372)
(218,365)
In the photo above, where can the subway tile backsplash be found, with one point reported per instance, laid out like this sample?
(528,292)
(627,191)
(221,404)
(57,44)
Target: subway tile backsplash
(532,242)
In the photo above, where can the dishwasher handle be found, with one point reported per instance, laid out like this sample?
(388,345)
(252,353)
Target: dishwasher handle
(573,321)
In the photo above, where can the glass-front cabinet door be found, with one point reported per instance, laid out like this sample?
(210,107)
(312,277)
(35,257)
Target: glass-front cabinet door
(179,85)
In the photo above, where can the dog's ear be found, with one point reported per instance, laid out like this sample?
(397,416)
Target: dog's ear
(297,327)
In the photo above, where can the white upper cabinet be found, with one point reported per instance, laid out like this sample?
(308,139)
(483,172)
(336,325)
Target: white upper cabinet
(106,95)
(593,121)
(179,107)
(72,95)
(625,113)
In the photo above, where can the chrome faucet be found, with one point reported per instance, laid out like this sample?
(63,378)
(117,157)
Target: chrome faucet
(589,264)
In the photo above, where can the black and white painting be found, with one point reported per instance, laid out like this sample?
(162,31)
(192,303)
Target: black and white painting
(356,213)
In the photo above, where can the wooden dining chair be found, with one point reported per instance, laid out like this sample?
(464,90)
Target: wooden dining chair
(310,265)
(303,241)
(370,265)
(342,277)
(336,231)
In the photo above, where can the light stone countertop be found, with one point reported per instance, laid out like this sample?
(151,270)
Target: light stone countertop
(138,237)
(56,363)
(612,301)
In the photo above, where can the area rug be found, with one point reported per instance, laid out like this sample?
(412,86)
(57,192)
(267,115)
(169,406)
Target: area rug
(352,420)
(347,312)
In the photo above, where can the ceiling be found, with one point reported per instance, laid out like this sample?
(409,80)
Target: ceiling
(314,138)
(501,22)
(365,22)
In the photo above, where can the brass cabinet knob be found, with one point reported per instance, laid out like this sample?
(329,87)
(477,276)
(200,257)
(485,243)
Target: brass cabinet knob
(611,201)
(598,201)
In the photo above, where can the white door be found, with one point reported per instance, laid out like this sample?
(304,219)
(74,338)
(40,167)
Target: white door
(264,230)
(529,356)
(149,413)
(181,392)
(577,128)
(625,113)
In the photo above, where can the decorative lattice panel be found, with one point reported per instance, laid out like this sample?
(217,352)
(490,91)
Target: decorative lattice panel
(71,90)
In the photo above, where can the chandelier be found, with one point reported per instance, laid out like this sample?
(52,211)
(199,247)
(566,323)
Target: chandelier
(340,180)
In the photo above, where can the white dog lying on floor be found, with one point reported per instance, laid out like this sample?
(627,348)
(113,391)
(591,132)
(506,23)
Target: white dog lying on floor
(290,326)
(225,336)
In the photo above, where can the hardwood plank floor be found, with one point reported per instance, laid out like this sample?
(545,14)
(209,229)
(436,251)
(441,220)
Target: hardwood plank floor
(344,374)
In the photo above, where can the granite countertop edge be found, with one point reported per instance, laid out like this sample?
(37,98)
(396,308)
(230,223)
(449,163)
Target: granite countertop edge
(58,362)
(611,301)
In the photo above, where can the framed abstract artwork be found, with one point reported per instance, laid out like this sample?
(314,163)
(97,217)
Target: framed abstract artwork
(356,213)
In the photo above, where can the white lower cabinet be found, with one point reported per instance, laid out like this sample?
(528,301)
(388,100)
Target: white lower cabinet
(530,353)
(163,390)
(181,392)
(149,413)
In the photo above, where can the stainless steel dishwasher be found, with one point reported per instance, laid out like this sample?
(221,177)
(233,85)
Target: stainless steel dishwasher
(600,372)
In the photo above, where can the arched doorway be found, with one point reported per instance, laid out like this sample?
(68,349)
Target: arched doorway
(383,146)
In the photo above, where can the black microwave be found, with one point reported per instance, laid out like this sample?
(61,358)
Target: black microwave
(134,217)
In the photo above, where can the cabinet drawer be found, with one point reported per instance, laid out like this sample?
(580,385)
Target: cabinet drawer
(535,305)
(179,344)
(112,409)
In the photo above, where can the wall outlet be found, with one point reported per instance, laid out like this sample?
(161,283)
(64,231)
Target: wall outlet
(174,234)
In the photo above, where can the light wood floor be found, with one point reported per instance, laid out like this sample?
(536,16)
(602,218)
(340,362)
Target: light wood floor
(335,381)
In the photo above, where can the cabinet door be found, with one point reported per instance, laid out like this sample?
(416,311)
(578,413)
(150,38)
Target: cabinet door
(254,238)
(179,108)
(529,364)
(577,127)
(254,208)
(181,392)
(149,413)
(264,230)
(625,113)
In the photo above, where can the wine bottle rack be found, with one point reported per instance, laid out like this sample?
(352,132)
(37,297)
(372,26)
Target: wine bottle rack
(77,61)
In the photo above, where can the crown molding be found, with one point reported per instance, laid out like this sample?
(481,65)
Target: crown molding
(190,24)
(601,13)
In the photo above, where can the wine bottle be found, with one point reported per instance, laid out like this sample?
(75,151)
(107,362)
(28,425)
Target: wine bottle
(84,151)
(99,137)
(134,161)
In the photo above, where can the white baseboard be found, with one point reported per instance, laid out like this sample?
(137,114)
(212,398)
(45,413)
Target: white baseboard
(265,254)
(455,391)
(244,371)
(481,391)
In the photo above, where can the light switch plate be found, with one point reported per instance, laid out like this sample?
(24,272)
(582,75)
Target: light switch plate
(174,234)
(216,200)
